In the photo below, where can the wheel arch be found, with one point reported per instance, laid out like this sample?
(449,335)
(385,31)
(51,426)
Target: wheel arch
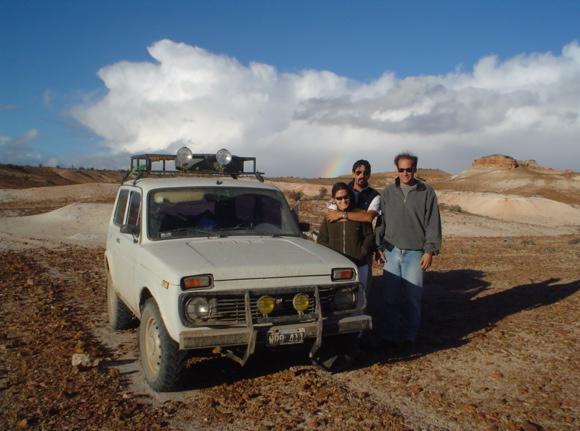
(144,296)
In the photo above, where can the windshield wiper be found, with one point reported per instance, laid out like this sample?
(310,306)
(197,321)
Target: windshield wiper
(184,231)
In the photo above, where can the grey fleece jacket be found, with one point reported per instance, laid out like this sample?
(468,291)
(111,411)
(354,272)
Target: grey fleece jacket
(413,223)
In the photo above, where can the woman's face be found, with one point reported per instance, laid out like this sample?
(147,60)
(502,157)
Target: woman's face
(342,200)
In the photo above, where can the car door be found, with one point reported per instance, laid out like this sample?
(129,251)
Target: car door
(113,251)
(126,246)
(130,244)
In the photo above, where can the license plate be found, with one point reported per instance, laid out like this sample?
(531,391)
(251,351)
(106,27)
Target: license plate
(278,337)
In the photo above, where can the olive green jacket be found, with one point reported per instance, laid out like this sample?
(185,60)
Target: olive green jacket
(352,239)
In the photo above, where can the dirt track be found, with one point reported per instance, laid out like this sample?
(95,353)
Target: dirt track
(498,350)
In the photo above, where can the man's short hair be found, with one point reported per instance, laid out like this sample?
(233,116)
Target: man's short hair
(408,156)
(364,163)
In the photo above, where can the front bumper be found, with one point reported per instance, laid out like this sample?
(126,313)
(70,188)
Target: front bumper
(314,327)
(228,337)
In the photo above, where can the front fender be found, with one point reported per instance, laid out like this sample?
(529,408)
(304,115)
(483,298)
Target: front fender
(166,296)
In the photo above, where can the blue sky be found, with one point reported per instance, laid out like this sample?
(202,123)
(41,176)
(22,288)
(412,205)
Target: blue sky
(55,109)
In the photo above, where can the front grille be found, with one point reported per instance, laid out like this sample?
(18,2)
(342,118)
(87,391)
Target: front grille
(326,295)
(229,309)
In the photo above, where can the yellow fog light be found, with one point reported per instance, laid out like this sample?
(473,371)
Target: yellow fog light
(301,302)
(266,304)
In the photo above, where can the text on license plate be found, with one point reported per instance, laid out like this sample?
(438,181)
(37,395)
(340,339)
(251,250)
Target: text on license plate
(277,337)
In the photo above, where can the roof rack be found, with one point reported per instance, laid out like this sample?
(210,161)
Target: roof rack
(144,165)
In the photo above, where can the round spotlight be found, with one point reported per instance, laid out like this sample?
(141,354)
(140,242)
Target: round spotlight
(223,157)
(266,305)
(301,302)
(183,158)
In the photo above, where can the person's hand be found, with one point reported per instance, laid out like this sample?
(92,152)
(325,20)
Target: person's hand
(333,216)
(380,257)
(426,261)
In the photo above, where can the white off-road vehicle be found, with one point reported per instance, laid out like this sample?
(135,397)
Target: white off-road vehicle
(208,262)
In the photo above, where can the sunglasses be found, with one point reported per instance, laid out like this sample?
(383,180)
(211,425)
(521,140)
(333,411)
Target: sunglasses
(406,170)
(342,198)
(364,173)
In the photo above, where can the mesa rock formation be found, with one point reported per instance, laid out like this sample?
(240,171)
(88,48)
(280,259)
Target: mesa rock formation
(496,161)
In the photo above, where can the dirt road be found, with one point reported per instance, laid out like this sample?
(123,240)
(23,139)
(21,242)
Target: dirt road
(498,350)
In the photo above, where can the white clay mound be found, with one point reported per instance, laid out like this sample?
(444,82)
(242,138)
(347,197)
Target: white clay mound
(531,210)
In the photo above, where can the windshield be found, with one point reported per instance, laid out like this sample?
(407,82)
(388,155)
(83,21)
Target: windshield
(218,211)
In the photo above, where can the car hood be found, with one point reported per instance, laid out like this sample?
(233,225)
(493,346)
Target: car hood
(242,258)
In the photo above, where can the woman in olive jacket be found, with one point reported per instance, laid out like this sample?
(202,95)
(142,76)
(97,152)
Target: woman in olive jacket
(352,239)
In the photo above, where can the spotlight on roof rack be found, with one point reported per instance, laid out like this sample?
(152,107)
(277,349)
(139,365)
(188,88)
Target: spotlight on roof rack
(223,157)
(184,159)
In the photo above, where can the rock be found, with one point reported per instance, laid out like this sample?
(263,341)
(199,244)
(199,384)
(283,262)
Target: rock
(83,360)
(496,161)
(114,372)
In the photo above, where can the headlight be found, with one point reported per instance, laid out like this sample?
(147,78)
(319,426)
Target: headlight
(266,305)
(301,302)
(196,281)
(342,274)
(223,157)
(345,299)
(198,308)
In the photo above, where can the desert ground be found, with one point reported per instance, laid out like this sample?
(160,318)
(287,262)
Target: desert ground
(498,347)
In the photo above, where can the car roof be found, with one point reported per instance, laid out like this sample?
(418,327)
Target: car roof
(147,184)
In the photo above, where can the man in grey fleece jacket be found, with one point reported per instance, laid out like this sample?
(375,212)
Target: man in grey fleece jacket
(408,238)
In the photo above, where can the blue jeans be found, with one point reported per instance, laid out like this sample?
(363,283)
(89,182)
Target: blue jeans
(401,289)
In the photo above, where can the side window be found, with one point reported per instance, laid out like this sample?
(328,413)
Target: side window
(134,207)
(120,208)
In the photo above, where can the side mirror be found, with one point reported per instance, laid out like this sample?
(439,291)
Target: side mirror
(304,227)
(132,229)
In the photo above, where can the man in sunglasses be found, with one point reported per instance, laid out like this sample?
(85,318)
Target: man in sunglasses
(366,199)
(408,237)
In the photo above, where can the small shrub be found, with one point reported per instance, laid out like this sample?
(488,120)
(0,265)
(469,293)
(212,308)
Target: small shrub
(322,192)
(296,194)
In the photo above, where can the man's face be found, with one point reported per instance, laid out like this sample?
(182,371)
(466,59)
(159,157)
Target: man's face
(406,171)
(361,177)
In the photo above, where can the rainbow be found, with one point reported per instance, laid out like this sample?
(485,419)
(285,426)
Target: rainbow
(340,165)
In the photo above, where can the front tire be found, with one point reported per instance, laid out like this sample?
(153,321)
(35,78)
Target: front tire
(120,317)
(161,359)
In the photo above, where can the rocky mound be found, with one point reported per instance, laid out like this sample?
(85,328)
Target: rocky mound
(504,174)
(512,208)
(498,161)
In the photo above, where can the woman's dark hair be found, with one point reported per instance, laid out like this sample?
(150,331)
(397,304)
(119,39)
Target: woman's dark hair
(342,186)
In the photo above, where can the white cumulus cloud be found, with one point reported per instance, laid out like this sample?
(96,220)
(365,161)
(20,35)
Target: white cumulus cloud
(301,123)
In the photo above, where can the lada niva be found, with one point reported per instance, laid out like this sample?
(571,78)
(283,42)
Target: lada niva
(208,262)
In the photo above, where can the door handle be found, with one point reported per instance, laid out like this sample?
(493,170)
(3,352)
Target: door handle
(118,240)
